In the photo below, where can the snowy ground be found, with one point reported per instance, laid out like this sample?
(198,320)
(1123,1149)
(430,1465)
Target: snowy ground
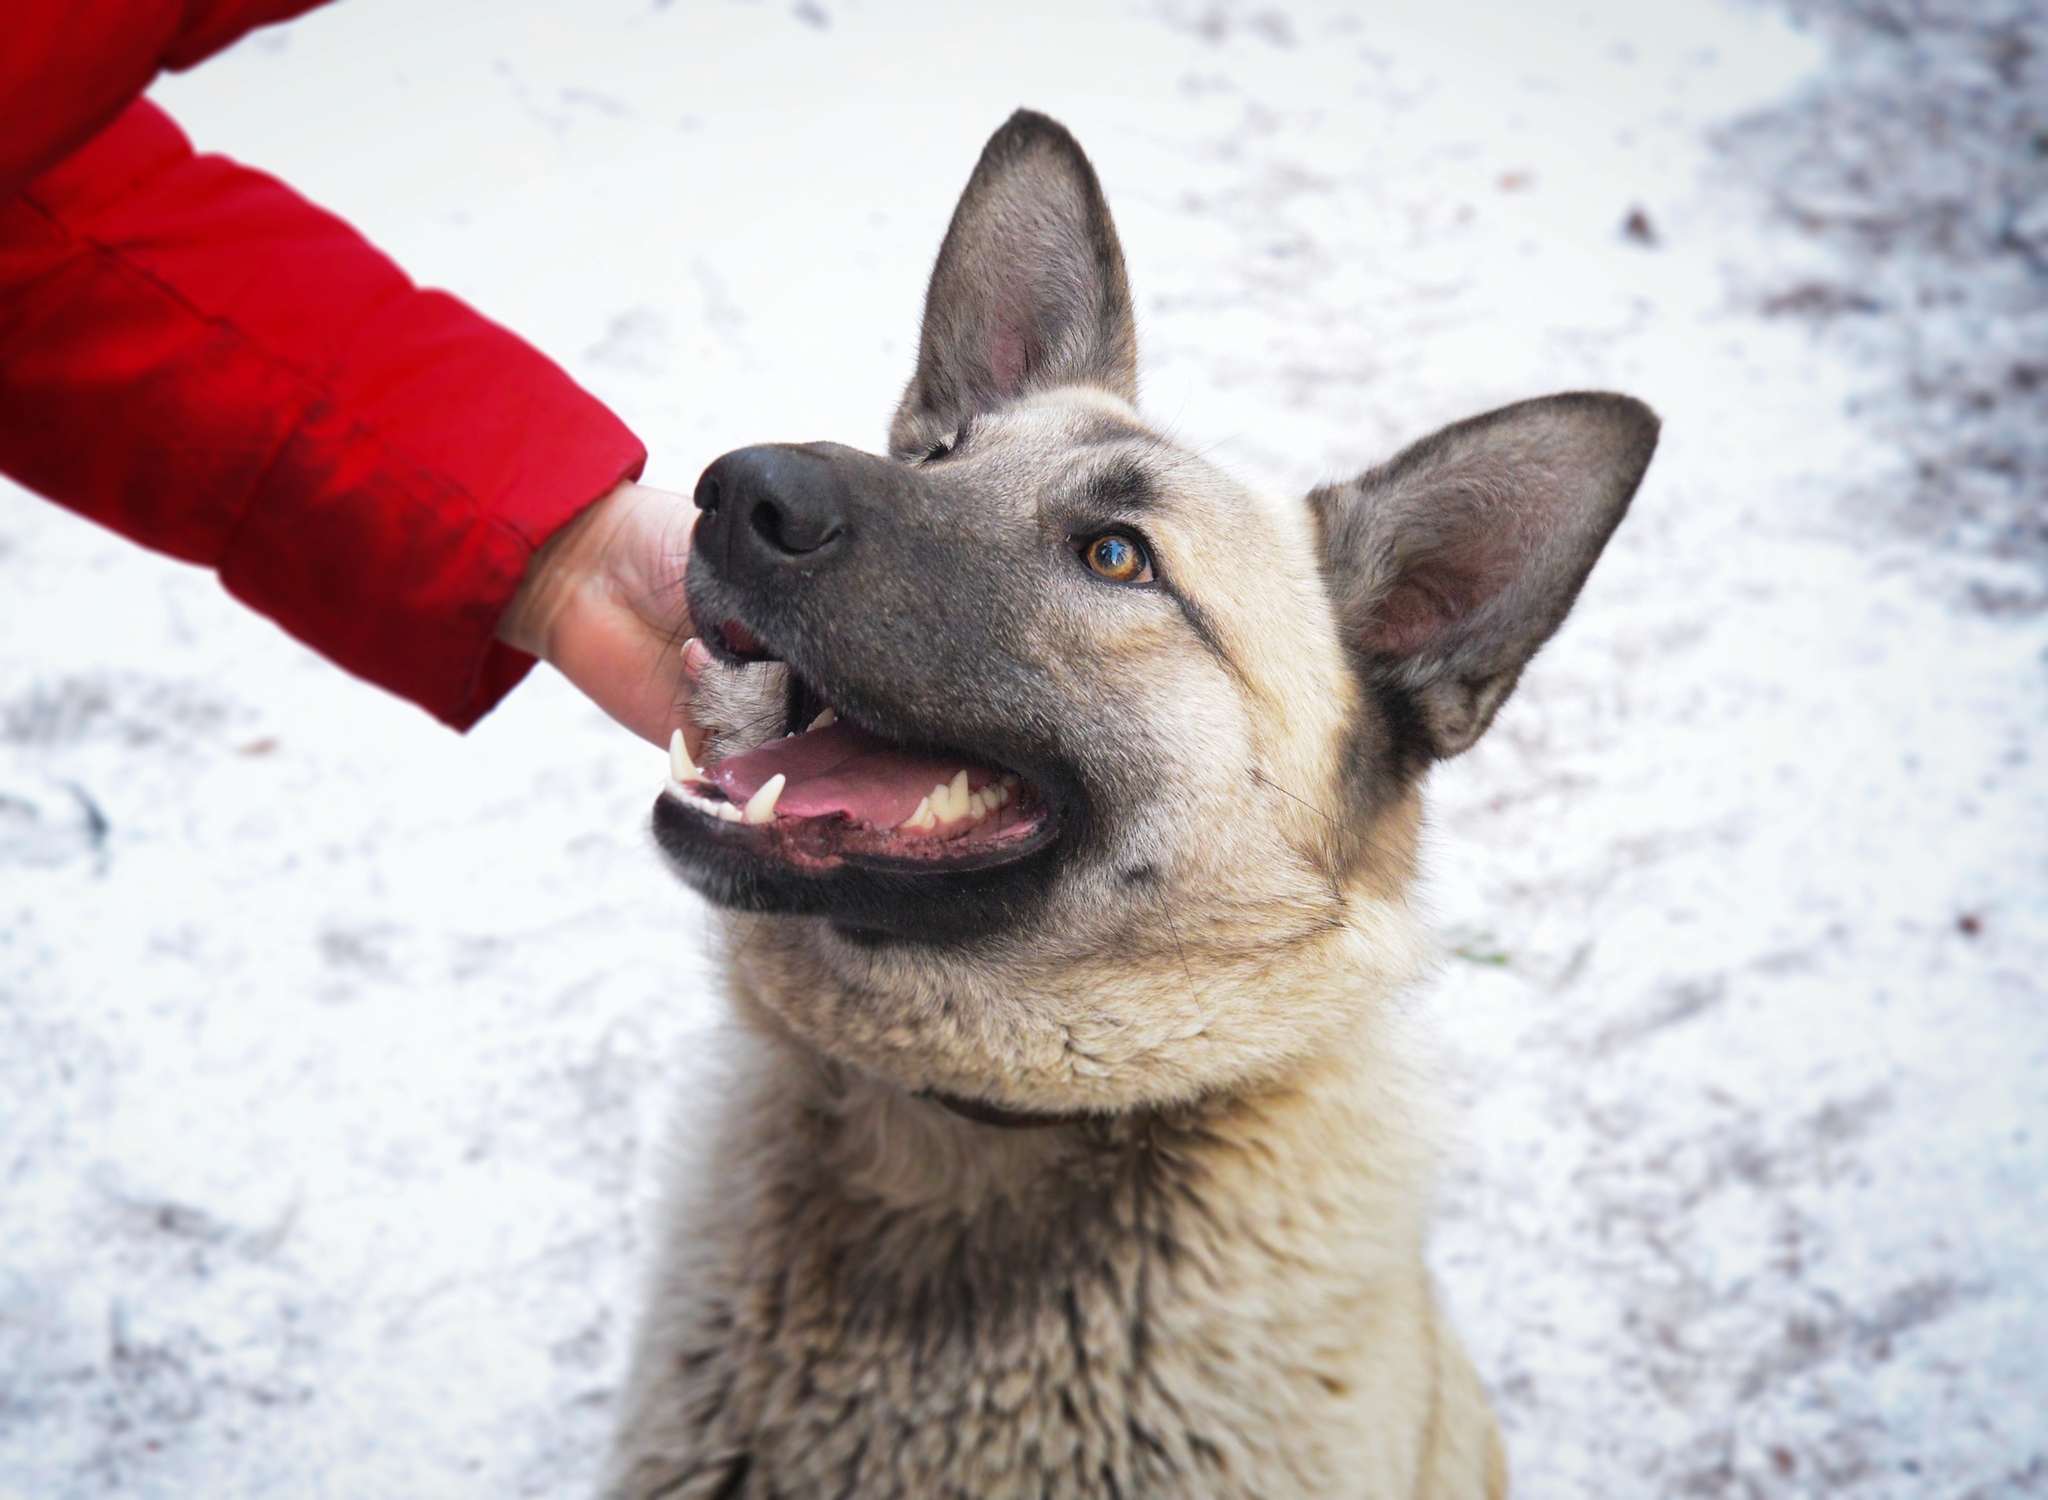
(334,1049)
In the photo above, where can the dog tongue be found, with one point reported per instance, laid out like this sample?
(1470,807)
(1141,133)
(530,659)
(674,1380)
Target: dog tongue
(843,769)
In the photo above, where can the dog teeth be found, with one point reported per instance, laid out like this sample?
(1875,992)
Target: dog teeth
(761,806)
(948,804)
(725,812)
(824,720)
(951,802)
(680,766)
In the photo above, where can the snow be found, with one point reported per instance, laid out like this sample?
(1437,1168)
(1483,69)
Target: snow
(335,1050)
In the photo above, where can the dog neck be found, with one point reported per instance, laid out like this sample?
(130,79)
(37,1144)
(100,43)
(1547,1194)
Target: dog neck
(889,1244)
(835,1133)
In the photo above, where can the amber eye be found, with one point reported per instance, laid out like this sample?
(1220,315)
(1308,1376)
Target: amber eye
(1119,558)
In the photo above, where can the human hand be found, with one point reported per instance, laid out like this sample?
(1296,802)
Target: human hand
(603,603)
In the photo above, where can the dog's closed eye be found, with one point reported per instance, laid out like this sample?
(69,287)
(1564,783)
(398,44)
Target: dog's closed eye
(947,446)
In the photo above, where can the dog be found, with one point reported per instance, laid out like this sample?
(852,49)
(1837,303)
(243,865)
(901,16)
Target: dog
(1062,796)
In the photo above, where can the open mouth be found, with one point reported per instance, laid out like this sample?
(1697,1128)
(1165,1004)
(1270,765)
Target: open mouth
(830,792)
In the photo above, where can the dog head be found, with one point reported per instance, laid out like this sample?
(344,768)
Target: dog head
(1112,795)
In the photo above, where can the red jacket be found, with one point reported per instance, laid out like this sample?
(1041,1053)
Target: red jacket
(195,356)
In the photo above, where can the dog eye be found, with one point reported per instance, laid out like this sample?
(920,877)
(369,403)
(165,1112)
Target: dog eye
(946,446)
(1119,558)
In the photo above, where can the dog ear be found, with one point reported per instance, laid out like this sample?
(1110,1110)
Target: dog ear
(1452,563)
(1028,293)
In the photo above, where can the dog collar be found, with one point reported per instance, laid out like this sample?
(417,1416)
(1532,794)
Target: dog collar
(981,1112)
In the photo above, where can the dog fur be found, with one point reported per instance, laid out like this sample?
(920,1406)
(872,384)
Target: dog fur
(1104,1173)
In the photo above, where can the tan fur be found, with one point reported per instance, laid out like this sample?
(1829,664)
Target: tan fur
(1226,1300)
(1236,1279)
(1207,1279)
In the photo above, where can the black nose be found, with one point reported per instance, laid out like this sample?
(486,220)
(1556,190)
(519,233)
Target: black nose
(775,505)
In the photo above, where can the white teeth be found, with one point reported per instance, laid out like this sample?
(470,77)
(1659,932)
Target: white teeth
(725,812)
(680,766)
(948,802)
(824,720)
(952,802)
(761,806)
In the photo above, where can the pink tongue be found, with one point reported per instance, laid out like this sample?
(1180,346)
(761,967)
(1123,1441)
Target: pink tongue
(843,769)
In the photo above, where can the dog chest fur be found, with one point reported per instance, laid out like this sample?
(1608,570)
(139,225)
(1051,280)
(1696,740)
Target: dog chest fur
(1225,1300)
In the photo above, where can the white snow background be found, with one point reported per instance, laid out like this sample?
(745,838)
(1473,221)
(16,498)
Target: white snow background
(335,1049)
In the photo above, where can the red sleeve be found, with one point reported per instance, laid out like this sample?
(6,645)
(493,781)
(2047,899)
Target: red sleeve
(67,67)
(200,359)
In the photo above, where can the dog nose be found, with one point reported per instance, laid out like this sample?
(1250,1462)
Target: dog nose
(774,505)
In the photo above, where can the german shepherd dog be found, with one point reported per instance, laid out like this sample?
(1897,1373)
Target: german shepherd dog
(1063,795)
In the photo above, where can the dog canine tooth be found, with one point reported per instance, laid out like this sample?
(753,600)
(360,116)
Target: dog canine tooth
(920,819)
(761,806)
(680,766)
(824,720)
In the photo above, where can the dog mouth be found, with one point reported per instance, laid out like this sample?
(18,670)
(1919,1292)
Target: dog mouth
(831,791)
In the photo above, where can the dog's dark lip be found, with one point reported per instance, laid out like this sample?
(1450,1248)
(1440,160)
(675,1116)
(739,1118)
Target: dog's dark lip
(781,844)
(734,644)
